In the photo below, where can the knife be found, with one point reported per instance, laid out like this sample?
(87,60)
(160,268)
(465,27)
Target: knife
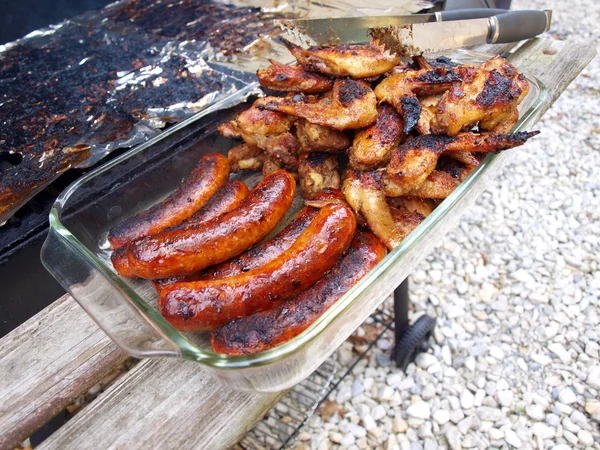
(330,31)
(418,38)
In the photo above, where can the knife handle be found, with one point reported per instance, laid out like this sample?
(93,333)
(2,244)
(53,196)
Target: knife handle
(518,25)
(466,14)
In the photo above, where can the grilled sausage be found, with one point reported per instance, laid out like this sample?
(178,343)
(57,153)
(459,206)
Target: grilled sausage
(228,197)
(206,305)
(264,330)
(185,251)
(208,176)
(257,256)
(121,263)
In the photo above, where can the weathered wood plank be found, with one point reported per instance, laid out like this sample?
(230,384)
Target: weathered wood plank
(46,363)
(164,404)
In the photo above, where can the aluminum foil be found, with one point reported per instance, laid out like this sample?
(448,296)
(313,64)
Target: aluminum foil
(113,78)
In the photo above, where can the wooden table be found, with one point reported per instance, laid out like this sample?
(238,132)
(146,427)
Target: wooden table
(163,403)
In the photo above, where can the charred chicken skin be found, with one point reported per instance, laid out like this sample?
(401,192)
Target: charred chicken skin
(356,61)
(487,95)
(401,90)
(373,145)
(413,161)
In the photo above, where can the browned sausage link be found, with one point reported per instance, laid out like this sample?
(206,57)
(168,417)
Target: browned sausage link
(256,256)
(267,329)
(208,176)
(206,305)
(121,263)
(181,252)
(228,197)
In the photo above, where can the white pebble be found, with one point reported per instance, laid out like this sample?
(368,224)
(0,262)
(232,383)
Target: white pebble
(505,398)
(419,410)
(593,378)
(585,438)
(496,352)
(543,431)
(399,425)
(454,438)
(368,422)
(466,399)
(561,352)
(424,360)
(358,431)
(536,412)
(567,396)
(441,416)
(511,438)
(378,412)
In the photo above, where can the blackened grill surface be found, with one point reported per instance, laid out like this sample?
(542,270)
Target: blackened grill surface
(69,96)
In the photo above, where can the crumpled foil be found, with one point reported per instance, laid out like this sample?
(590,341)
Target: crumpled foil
(113,78)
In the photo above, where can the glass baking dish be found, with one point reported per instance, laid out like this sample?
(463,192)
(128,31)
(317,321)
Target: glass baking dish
(77,255)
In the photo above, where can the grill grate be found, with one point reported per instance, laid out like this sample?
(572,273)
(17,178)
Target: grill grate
(282,425)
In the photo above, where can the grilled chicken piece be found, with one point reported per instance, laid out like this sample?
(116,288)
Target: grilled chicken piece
(401,90)
(372,146)
(465,157)
(438,185)
(488,95)
(316,138)
(423,206)
(228,130)
(428,117)
(413,161)
(255,125)
(283,149)
(244,156)
(281,77)
(318,171)
(364,193)
(270,166)
(350,105)
(356,61)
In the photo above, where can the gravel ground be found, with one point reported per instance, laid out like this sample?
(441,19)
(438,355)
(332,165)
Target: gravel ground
(515,288)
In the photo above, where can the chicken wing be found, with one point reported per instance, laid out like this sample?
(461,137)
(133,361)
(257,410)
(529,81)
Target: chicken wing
(372,146)
(364,193)
(423,206)
(413,161)
(488,96)
(255,125)
(244,156)
(281,77)
(350,105)
(428,117)
(356,61)
(316,138)
(318,171)
(283,149)
(401,90)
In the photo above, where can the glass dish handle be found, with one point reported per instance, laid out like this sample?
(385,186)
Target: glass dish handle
(105,301)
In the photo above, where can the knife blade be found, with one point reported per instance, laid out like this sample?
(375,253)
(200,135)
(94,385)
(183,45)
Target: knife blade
(419,38)
(331,31)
